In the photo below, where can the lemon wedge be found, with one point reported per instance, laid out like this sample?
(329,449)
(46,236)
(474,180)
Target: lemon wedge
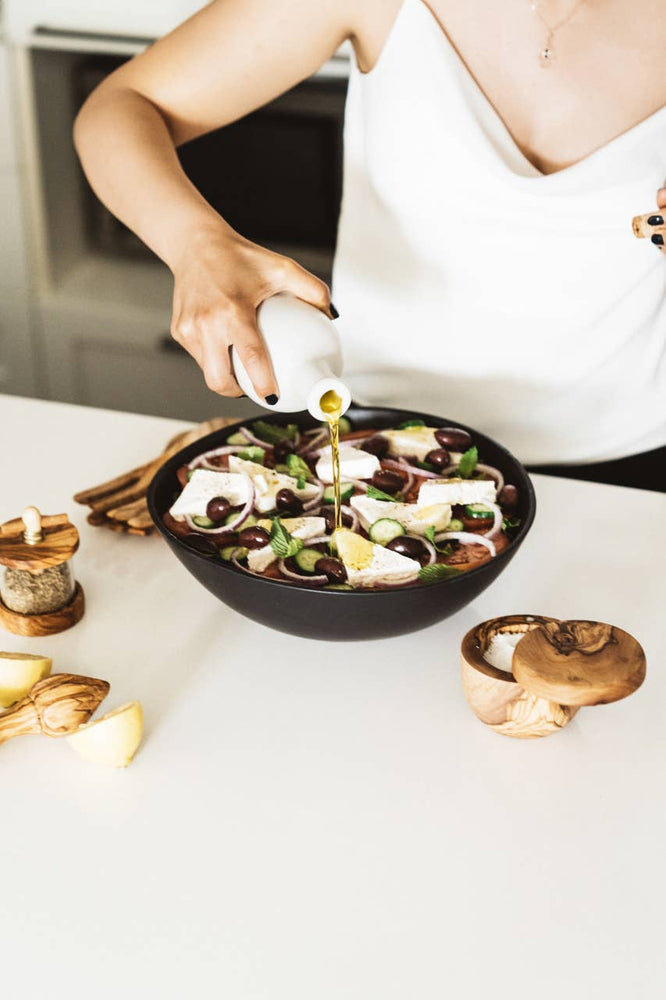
(18,673)
(112,740)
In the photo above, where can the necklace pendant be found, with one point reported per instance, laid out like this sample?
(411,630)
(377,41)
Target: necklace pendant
(546,56)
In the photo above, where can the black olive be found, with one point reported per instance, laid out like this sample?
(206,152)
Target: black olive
(454,438)
(253,537)
(206,546)
(283,448)
(439,458)
(376,445)
(218,509)
(404,545)
(333,569)
(388,481)
(508,497)
(328,513)
(288,501)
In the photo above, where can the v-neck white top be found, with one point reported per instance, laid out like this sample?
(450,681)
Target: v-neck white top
(476,288)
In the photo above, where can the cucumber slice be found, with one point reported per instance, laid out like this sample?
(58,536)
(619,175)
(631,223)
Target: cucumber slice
(306,559)
(339,586)
(237,438)
(346,491)
(410,423)
(203,522)
(230,550)
(478,510)
(385,530)
(455,525)
(247,523)
(253,454)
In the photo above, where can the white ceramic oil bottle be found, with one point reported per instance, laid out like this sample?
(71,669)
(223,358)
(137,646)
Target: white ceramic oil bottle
(304,348)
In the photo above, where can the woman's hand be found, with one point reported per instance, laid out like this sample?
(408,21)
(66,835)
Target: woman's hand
(653,225)
(220,280)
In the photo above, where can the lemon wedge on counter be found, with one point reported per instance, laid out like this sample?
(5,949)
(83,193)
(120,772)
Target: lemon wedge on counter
(112,740)
(18,673)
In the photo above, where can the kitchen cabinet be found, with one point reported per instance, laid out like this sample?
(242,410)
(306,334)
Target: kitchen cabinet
(125,362)
(17,373)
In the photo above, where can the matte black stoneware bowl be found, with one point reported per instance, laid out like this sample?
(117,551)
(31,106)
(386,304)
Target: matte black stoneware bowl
(339,614)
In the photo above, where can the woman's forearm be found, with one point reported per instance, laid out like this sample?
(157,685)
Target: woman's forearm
(130,160)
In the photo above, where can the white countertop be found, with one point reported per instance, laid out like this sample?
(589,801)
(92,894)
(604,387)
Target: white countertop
(312,821)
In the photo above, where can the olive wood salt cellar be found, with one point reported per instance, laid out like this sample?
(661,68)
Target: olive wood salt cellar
(38,594)
(527,675)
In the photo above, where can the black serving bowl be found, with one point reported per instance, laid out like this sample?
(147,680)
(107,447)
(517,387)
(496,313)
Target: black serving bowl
(339,614)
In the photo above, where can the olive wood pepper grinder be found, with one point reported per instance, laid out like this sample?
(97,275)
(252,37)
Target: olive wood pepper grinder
(527,675)
(38,594)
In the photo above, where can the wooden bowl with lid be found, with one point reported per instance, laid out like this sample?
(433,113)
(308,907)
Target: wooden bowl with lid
(527,675)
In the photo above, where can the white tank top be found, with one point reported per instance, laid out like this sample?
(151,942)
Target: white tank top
(474,287)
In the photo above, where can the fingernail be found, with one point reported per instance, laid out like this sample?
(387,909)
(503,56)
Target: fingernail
(656,220)
(658,240)
(272,399)
(334,311)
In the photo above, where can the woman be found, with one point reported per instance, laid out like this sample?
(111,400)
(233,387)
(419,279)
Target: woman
(495,154)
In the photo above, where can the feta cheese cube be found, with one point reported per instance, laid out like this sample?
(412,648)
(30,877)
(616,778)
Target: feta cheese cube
(414,518)
(267,483)
(369,565)
(457,490)
(354,464)
(205,484)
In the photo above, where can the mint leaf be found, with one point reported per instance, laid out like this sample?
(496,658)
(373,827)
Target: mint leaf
(272,433)
(468,462)
(282,543)
(298,468)
(437,571)
(376,494)
(510,526)
(253,454)
(446,549)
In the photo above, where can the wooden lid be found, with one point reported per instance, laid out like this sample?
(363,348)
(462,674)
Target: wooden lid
(579,662)
(34,542)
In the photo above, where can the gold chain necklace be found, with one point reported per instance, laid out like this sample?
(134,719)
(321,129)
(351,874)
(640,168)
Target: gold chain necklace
(547,53)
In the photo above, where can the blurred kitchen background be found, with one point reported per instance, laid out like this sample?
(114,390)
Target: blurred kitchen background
(85,307)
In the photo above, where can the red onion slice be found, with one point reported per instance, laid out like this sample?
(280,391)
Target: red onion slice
(253,439)
(358,483)
(467,538)
(490,470)
(309,581)
(228,449)
(314,444)
(410,477)
(316,500)
(432,552)
(498,517)
(402,465)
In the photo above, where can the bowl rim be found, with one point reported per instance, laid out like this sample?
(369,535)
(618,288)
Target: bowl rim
(223,433)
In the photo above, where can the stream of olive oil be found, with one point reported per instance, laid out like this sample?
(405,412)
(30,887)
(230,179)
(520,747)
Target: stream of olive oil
(331,406)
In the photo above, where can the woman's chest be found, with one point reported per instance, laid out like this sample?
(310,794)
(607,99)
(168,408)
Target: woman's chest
(605,72)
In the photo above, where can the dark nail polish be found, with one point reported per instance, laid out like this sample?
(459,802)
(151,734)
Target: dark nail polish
(658,240)
(656,220)
(272,399)
(334,311)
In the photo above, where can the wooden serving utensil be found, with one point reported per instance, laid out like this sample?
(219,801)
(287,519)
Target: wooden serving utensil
(556,667)
(120,503)
(56,706)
